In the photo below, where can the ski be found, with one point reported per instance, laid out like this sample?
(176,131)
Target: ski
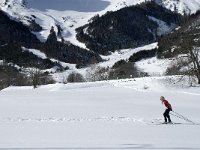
(168,123)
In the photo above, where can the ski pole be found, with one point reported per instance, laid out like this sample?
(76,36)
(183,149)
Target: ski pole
(177,116)
(181,117)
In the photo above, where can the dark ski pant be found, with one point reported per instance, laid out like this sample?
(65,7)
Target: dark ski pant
(166,115)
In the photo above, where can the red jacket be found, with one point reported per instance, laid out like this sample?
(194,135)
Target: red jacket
(167,104)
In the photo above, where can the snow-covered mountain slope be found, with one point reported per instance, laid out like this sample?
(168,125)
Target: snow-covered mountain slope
(71,14)
(98,116)
(42,55)
(124,54)
(50,13)
(181,6)
(153,66)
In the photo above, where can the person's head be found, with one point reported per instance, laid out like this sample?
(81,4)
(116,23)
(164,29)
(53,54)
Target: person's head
(162,98)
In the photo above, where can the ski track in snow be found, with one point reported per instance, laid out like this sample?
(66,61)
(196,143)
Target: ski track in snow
(74,120)
(118,120)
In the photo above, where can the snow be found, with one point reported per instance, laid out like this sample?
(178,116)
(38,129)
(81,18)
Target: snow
(42,55)
(1,62)
(101,115)
(124,54)
(36,52)
(110,60)
(163,27)
(182,6)
(154,66)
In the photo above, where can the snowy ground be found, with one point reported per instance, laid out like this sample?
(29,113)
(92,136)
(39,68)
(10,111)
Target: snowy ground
(103,115)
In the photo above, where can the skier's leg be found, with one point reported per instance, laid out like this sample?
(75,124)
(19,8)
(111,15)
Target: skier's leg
(169,119)
(165,115)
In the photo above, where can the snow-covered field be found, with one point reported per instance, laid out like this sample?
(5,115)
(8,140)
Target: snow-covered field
(102,115)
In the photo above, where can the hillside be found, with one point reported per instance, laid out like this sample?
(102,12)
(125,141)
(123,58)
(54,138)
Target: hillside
(13,31)
(184,37)
(129,27)
(183,46)
(39,36)
(70,16)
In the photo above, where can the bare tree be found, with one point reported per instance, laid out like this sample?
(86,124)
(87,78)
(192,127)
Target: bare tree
(194,56)
(34,77)
(97,73)
(37,77)
(191,48)
(75,77)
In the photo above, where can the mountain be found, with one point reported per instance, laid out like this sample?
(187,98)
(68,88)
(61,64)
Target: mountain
(69,16)
(129,27)
(16,32)
(181,6)
(63,13)
(55,36)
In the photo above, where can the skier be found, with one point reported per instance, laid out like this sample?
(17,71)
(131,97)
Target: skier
(168,109)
